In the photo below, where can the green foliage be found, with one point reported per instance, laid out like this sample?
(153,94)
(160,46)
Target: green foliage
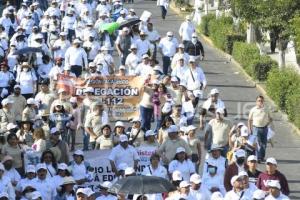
(218,29)
(231,39)
(296,33)
(255,65)
(281,84)
(204,23)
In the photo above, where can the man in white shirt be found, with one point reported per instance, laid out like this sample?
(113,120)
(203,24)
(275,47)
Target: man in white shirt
(274,191)
(180,69)
(122,17)
(5,184)
(184,192)
(104,62)
(164,4)
(132,60)
(68,24)
(104,194)
(143,44)
(123,153)
(186,30)
(42,184)
(153,37)
(92,47)
(249,188)
(144,69)
(168,47)
(10,171)
(178,55)
(76,58)
(196,190)
(103,7)
(60,46)
(237,192)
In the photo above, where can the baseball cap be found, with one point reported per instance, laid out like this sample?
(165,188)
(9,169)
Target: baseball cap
(136,119)
(271,160)
(242,174)
(215,147)
(92,64)
(145,56)
(78,152)
(36,195)
(6,101)
(157,68)
(122,67)
(122,12)
(129,171)
(192,59)
(76,41)
(133,46)
(194,34)
(214,91)
(62,166)
(188,17)
(149,133)
(274,184)
(181,45)
(174,79)
(82,191)
(234,179)
(125,29)
(53,130)
(244,131)
(259,194)
(240,124)
(41,166)
(172,129)
(3,194)
(89,192)
(119,124)
(251,158)
(68,180)
(240,153)
(184,184)
(106,184)
(169,33)
(195,178)
(7,158)
(176,176)
(220,110)
(30,169)
(73,100)
(31,101)
(180,149)
(61,90)
(123,138)
(191,128)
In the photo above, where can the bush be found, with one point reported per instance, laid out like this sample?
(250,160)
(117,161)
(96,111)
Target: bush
(261,67)
(282,84)
(293,107)
(231,39)
(245,54)
(218,29)
(204,23)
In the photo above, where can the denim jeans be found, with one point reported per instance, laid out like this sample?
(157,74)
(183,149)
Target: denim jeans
(86,140)
(146,115)
(262,137)
(163,12)
(166,64)
(77,70)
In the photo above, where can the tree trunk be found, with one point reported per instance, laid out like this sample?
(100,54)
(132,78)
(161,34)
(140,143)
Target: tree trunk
(250,33)
(206,5)
(282,46)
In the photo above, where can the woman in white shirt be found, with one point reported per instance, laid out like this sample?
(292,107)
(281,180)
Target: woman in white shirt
(39,144)
(6,77)
(49,159)
(26,78)
(182,164)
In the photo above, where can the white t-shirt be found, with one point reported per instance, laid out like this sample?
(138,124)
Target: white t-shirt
(27,81)
(120,155)
(186,168)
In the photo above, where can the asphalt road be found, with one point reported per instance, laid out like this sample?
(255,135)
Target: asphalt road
(238,93)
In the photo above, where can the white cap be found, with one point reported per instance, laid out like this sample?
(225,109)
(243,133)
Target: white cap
(30,169)
(240,153)
(63,33)
(181,45)
(61,90)
(240,124)
(106,184)
(122,166)
(149,133)
(176,176)
(258,194)
(145,56)
(92,64)
(89,90)
(188,17)
(195,178)
(180,149)
(7,158)
(242,174)
(215,147)
(81,190)
(174,79)
(78,152)
(41,166)
(129,171)
(131,10)
(122,67)
(6,101)
(234,179)
(17,86)
(122,12)
(73,100)
(170,33)
(192,59)
(191,128)
(76,41)
(251,158)
(214,91)
(124,29)
(31,101)
(274,184)
(35,195)
(2,167)
(136,119)
(172,129)
(123,138)
(157,68)
(53,130)
(68,180)
(133,46)
(244,131)
(89,192)
(11,126)
(62,166)
(220,110)
(194,34)
(104,48)
(119,124)
(184,184)
(3,194)
(271,160)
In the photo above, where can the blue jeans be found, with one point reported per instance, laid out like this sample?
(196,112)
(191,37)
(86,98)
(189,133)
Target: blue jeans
(163,12)
(86,140)
(166,64)
(146,115)
(262,137)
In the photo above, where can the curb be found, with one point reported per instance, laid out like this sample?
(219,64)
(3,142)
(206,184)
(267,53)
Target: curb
(257,85)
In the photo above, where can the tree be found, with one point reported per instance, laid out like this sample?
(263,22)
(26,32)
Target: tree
(270,15)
